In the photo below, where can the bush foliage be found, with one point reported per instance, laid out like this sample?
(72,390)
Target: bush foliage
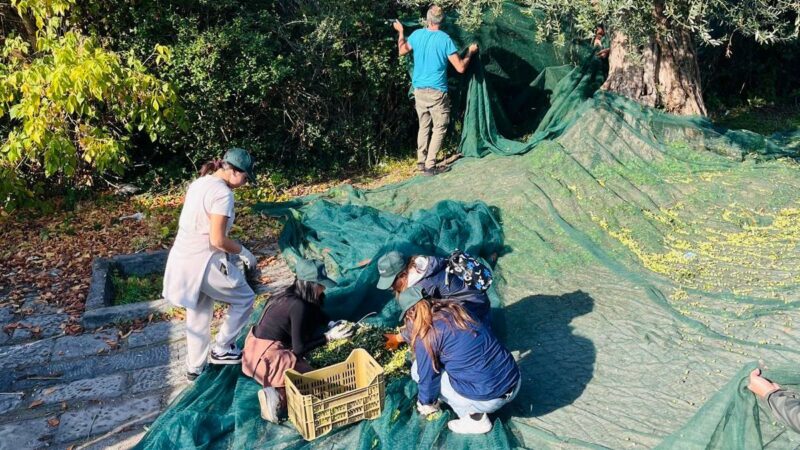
(90,87)
(301,84)
(68,106)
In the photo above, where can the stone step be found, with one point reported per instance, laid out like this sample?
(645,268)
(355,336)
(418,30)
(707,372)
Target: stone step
(118,441)
(87,344)
(95,318)
(32,353)
(157,333)
(96,420)
(104,387)
(90,367)
(47,324)
(27,434)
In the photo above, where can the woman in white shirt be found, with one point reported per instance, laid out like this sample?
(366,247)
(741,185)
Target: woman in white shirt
(201,267)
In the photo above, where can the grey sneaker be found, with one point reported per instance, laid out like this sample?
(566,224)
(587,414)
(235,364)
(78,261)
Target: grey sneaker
(269,400)
(435,171)
(231,355)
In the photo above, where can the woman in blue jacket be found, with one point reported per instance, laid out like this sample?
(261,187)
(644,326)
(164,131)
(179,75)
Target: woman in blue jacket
(428,273)
(458,361)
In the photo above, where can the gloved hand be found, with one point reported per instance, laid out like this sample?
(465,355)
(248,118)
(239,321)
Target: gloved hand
(393,341)
(247,258)
(426,410)
(334,323)
(341,330)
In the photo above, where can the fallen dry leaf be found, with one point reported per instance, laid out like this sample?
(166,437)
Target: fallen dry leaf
(53,421)
(363,262)
(48,391)
(35,404)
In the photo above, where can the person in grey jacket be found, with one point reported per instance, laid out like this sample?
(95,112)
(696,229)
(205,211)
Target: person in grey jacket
(784,404)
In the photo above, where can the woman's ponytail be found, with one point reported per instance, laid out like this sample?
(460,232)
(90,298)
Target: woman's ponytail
(420,318)
(211,167)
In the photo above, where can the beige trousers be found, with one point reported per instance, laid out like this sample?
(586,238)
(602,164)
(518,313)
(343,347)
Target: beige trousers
(433,110)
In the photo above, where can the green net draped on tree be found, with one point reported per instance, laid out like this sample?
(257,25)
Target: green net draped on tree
(644,262)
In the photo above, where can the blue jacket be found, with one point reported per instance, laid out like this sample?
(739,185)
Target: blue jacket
(437,285)
(478,365)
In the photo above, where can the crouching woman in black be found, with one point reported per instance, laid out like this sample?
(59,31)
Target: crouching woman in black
(287,330)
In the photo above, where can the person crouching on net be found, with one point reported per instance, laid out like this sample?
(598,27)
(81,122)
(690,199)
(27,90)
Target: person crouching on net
(286,331)
(458,361)
(428,273)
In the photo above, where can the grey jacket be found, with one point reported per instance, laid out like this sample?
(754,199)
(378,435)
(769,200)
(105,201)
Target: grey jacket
(785,406)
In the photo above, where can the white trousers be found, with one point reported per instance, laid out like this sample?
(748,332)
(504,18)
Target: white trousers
(223,282)
(464,406)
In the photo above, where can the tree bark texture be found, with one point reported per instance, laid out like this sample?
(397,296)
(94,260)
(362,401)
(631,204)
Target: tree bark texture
(663,73)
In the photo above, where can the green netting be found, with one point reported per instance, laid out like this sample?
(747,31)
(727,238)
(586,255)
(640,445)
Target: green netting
(645,261)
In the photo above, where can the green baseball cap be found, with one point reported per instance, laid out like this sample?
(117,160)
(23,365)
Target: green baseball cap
(239,158)
(313,270)
(389,265)
(409,298)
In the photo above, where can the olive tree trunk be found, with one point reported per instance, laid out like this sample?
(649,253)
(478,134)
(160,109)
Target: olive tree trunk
(662,73)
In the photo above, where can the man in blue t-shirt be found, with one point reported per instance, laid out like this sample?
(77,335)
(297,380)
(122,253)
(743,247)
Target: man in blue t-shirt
(432,49)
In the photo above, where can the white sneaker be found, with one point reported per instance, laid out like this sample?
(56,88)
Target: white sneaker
(467,425)
(230,355)
(269,400)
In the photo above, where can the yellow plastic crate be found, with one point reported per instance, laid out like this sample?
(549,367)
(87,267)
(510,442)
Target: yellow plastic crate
(336,395)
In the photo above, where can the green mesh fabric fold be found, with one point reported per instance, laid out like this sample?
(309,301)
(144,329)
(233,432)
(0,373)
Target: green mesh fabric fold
(644,260)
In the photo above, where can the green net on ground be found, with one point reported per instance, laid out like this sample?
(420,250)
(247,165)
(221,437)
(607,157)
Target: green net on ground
(644,262)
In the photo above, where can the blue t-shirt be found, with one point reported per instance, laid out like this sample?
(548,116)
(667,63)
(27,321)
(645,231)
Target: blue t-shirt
(431,50)
(478,365)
